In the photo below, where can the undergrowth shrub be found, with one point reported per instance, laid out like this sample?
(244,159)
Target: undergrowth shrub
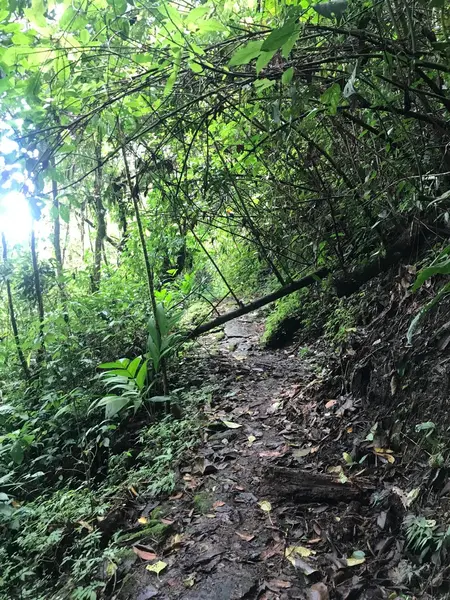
(56,540)
(340,322)
(301,310)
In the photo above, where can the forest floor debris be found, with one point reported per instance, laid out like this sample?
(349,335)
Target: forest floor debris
(241,526)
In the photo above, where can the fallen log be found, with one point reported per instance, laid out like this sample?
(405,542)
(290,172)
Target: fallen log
(248,308)
(314,486)
(344,284)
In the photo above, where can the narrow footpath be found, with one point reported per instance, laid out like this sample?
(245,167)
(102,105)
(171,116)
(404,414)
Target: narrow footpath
(240,527)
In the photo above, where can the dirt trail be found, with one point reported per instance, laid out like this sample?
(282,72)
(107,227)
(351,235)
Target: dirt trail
(232,523)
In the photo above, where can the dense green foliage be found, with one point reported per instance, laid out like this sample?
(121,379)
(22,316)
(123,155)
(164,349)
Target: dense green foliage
(171,155)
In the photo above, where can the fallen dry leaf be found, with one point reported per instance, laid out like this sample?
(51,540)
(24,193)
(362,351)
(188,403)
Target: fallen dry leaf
(407,498)
(189,581)
(357,558)
(247,537)
(231,425)
(278,584)
(250,440)
(270,454)
(330,403)
(273,408)
(167,521)
(318,591)
(157,567)
(265,505)
(218,504)
(176,497)
(143,520)
(272,551)
(292,551)
(133,490)
(347,457)
(301,452)
(274,453)
(303,566)
(86,525)
(144,554)
(385,453)
(353,562)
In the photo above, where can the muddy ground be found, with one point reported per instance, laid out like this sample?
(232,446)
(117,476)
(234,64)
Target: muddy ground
(250,520)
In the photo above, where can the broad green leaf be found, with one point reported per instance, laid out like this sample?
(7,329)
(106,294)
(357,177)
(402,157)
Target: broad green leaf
(163,323)
(113,404)
(143,58)
(142,375)
(84,36)
(114,375)
(33,87)
(287,76)
(289,44)
(172,14)
(438,267)
(118,364)
(195,67)
(263,60)
(35,14)
(17,452)
(5,84)
(262,84)
(119,6)
(173,77)
(211,26)
(331,98)
(280,36)
(64,213)
(21,39)
(246,53)
(197,13)
(134,365)
(415,322)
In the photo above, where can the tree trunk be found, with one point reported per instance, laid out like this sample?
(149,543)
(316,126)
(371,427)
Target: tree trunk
(314,487)
(38,292)
(344,283)
(57,247)
(101,221)
(12,315)
(280,293)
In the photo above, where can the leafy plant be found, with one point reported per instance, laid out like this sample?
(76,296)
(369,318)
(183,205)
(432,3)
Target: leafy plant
(128,376)
(439,266)
(425,538)
(161,341)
